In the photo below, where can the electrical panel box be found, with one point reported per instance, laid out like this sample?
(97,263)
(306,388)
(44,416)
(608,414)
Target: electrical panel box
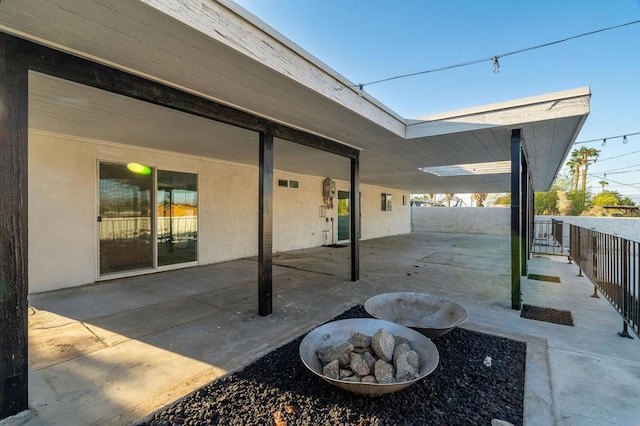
(329,188)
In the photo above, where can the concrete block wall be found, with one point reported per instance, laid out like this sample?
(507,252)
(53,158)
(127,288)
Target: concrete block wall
(625,227)
(466,220)
(496,221)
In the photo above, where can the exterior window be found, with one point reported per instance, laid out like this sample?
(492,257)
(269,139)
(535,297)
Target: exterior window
(386,202)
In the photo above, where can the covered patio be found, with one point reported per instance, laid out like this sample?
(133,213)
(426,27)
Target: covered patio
(113,353)
(187,83)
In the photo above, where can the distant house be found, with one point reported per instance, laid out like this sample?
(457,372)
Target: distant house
(134,111)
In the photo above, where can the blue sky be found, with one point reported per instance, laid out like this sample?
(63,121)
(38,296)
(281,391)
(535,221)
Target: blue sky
(367,40)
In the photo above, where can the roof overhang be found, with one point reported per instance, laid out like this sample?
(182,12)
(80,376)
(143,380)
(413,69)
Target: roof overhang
(550,124)
(218,51)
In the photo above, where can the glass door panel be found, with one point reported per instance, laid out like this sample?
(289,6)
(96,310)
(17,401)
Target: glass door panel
(125,218)
(343,216)
(177,221)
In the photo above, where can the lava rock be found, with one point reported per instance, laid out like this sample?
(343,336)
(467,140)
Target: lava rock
(278,379)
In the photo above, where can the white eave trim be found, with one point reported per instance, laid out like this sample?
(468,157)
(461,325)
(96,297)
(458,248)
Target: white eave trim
(233,26)
(552,106)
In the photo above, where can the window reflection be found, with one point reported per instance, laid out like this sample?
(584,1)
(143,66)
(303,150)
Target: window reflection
(125,219)
(177,217)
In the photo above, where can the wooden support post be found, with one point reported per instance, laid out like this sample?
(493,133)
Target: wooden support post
(265,225)
(354,217)
(13,231)
(516,154)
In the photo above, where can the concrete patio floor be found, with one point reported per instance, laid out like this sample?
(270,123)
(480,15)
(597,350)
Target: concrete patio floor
(115,352)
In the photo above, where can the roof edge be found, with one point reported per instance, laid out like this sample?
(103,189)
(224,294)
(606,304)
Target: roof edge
(499,106)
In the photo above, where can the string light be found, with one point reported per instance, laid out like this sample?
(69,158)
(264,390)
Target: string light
(625,139)
(494,58)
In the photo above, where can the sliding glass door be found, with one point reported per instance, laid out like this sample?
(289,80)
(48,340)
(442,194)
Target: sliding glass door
(125,211)
(128,211)
(177,217)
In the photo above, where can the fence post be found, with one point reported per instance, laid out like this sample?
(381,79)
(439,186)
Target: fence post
(626,292)
(579,259)
(594,260)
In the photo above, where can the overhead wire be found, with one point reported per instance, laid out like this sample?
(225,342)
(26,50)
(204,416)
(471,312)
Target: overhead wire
(626,135)
(600,160)
(631,185)
(494,58)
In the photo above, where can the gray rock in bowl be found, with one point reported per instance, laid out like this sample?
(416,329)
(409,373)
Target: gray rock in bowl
(337,332)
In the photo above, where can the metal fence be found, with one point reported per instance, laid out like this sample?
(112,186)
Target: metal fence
(612,264)
(550,237)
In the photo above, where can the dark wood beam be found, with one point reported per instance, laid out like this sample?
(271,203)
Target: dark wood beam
(13,230)
(516,192)
(265,225)
(63,65)
(516,189)
(354,217)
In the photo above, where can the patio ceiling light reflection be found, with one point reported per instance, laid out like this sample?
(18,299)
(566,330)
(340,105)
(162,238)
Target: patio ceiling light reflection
(489,168)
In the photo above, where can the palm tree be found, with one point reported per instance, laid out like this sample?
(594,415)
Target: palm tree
(603,183)
(582,158)
(478,198)
(574,168)
(448,197)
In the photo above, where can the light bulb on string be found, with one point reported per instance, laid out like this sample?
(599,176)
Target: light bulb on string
(496,64)
(604,142)
(625,140)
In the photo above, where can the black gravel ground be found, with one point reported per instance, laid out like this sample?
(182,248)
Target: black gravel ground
(279,390)
(554,316)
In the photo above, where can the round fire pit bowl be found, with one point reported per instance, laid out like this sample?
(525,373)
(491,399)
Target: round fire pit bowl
(338,332)
(431,315)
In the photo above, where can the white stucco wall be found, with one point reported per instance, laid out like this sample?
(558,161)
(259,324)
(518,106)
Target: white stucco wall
(496,221)
(63,240)
(296,213)
(467,220)
(625,227)
(377,223)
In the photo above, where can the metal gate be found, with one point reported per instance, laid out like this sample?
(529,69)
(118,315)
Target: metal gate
(550,237)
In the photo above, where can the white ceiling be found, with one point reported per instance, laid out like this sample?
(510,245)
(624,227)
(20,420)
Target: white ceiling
(231,64)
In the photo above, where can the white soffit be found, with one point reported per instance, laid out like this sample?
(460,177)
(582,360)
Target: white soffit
(552,106)
(488,168)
